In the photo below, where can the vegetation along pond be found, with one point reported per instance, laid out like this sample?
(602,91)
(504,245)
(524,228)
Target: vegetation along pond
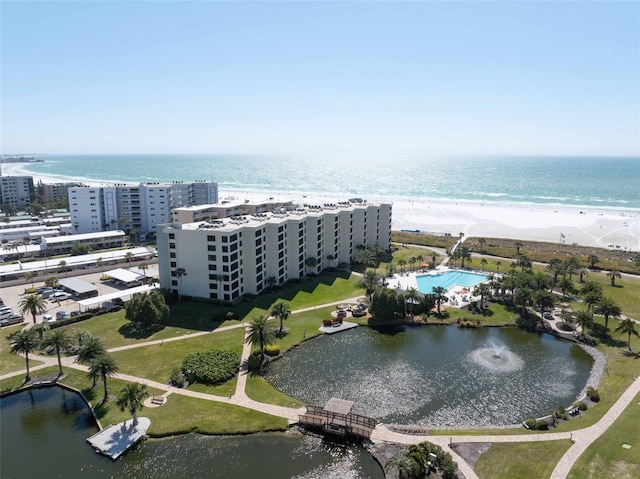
(437,376)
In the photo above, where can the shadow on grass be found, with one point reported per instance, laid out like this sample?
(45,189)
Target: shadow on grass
(129,330)
(631,354)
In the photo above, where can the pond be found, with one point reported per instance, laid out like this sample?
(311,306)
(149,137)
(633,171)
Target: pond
(437,376)
(52,424)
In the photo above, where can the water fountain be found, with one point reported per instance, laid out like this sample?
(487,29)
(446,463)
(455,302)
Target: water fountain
(497,357)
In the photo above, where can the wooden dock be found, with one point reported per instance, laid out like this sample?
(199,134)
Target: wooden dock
(336,418)
(115,440)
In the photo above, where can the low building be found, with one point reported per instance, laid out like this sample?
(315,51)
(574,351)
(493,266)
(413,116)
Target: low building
(227,258)
(103,240)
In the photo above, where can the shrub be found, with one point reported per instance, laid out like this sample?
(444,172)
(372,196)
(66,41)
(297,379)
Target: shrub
(230,316)
(593,394)
(530,423)
(272,350)
(580,405)
(542,425)
(212,367)
(177,379)
(560,413)
(253,363)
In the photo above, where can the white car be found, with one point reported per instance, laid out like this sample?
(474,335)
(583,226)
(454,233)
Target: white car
(59,296)
(47,318)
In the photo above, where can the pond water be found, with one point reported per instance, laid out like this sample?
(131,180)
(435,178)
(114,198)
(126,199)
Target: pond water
(52,424)
(437,376)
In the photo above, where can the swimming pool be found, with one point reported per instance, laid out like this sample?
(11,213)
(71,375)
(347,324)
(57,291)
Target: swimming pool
(447,279)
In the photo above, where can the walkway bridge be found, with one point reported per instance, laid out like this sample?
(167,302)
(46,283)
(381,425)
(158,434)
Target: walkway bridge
(336,418)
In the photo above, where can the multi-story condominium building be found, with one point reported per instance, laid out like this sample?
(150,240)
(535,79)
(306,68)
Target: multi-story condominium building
(192,214)
(133,207)
(17,191)
(54,191)
(227,258)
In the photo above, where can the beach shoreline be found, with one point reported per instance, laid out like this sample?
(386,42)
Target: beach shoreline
(556,223)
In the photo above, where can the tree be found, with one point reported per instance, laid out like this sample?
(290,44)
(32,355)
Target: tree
(311,262)
(498,264)
(128,257)
(613,275)
(556,268)
(412,262)
(59,340)
(180,273)
(370,281)
(565,284)
(62,267)
(591,299)
(411,298)
(32,304)
(571,266)
(91,348)
(522,296)
(407,466)
(608,308)
(103,366)
(99,263)
(147,309)
(482,242)
(144,267)
(627,326)
(131,399)
(402,263)
(390,269)
(51,282)
(518,245)
(523,262)
(582,271)
(544,300)
(483,262)
(260,334)
(465,254)
(584,320)
(29,275)
(482,290)
(24,342)
(439,292)
(281,311)
(434,256)
(40,328)
(386,304)
(593,259)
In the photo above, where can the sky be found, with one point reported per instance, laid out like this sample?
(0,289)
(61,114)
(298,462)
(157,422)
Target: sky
(450,77)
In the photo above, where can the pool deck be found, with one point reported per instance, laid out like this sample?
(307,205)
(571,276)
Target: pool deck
(115,440)
(336,329)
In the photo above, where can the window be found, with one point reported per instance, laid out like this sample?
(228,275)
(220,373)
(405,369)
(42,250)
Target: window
(212,257)
(173,264)
(225,249)
(211,247)
(172,236)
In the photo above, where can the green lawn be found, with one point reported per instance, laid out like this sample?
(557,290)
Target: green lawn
(606,458)
(260,390)
(158,361)
(8,361)
(521,460)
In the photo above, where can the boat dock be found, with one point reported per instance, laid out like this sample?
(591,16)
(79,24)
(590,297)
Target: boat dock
(336,418)
(343,326)
(115,440)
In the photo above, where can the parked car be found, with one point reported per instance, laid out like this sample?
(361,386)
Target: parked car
(548,315)
(75,313)
(47,292)
(62,315)
(118,301)
(5,312)
(59,296)
(47,318)
(13,319)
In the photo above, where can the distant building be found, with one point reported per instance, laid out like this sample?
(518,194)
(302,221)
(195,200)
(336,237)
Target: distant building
(50,192)
(17,191)
(228,258)
(96,241)
(134,207)
(192,214)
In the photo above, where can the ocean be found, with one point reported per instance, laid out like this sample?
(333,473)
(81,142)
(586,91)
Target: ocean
(608,183)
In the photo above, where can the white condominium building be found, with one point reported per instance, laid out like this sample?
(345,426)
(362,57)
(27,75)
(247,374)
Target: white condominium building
(134,207)
(17,190)
(227,258)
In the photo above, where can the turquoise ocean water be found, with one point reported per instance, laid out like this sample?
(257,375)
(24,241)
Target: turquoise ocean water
(600,182)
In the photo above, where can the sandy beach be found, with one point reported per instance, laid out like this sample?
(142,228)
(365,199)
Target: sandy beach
(583,226)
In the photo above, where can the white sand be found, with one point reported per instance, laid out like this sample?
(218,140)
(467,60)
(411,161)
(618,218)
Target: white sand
(583,226)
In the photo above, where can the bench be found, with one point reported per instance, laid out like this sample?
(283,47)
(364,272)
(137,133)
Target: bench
(157,400)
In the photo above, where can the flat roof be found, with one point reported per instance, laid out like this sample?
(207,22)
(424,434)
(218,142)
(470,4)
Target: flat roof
(85,236)
(124,275)
(118,294)
(78,285)
(338,406)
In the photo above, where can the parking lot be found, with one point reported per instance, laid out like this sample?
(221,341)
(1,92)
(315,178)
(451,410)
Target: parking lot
(12,295)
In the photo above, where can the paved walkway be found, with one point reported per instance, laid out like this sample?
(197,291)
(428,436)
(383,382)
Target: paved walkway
(582,438)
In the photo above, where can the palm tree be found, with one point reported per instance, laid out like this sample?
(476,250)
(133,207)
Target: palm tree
(51,282)
(482,242)
(439,292)
(571,266)
(608,308)
(62,266)
(391,269)
(584,320)
(412,262)
(91,348)
(29,275)
(218,279)
(260,334)
(128,257)
(407,466)
(593,259)
(402,263)
(99,263)
(370,280)
(434,256)
(565,284)
(40,328)
(556,267)
(544,300)
(583,272)
(144,267)
(411,297)
(131,398)
(518,245)
(613,274)
(103,366)
(628,326)
(498,264)
(522,296)
(281,311)
(523,262)
(32,304)
(59,340)
(465,254)
(483,262)
(180,273)
(482,290)
(24,342)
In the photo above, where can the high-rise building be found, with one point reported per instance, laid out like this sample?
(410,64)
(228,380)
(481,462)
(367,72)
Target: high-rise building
(17,191)
(133,207)
(227,258)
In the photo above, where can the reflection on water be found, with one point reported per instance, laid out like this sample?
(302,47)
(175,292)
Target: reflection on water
(54,423)
(437,376)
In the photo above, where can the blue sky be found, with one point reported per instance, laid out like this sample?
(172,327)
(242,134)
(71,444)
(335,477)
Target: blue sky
(321,77)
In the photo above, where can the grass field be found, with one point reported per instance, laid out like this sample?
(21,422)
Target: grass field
(8,361)
(521,460)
